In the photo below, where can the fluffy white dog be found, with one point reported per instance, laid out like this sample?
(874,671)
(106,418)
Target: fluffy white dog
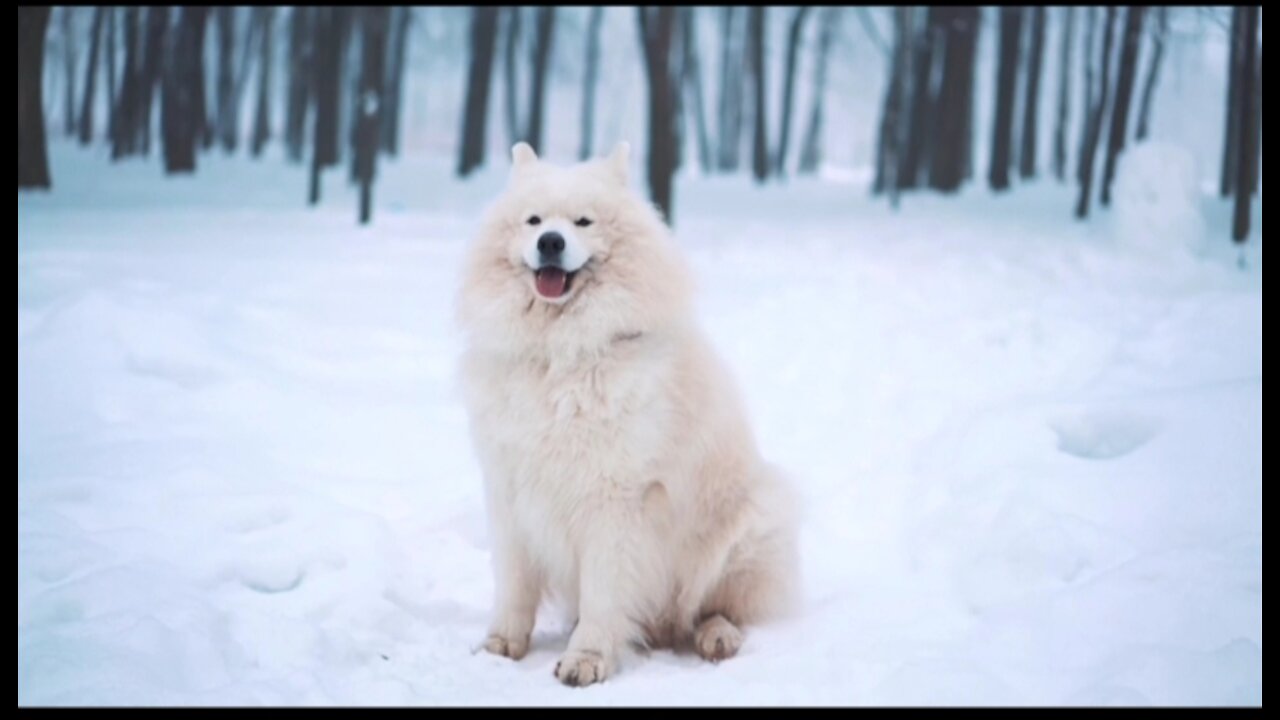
(621,474)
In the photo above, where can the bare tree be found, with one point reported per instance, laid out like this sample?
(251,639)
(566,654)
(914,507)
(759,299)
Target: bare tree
(1089,91)
(1031,97)
(1006,79)
(69,45)
(952,127)
(401,21)
(298,94)
(691,82)
(544,34)
(1230,144)
(262,115)
(1158,35)
(225,122)
(893,118)
(33,154)
(511,39)
(1128,70)
(484,22)
(91,75)
(1096,109)
(794,33)
(182,92)
(124,113)
(329,24)
(731,87)
(373,47)
(756,31)
(811,147)
(590,73)
(657,31)
(918,105)
(111,72)
(1250,68)
(1064,93)
(157,39)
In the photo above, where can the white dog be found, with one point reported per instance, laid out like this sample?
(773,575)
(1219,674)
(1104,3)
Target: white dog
(621,475)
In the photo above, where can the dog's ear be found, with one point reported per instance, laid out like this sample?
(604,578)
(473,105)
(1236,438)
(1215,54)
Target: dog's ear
(619,161)
(522,156)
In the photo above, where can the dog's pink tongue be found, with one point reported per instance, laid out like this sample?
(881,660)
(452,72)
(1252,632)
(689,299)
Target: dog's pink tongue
(551,282)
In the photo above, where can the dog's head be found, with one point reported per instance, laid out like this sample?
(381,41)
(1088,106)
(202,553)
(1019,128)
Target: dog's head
(569,257)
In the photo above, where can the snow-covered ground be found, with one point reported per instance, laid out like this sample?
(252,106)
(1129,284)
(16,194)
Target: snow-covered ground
(1031,450)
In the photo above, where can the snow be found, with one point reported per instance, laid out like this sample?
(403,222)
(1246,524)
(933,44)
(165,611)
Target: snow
(1030,449)
(1157,199)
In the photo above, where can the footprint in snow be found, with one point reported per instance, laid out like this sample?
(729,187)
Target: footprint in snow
(1103,435)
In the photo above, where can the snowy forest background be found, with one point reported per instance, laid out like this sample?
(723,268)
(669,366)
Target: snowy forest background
(722,90)
(989,278)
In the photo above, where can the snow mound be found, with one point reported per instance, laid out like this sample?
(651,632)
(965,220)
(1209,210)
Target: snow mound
(1156,200)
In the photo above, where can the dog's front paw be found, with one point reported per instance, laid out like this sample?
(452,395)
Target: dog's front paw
(579,668)
(514,648)
(717,639)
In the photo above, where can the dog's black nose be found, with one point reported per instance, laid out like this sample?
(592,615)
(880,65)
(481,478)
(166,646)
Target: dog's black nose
(551,243)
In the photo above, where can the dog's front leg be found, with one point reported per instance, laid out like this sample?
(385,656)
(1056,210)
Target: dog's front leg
(516,603)
(622,578)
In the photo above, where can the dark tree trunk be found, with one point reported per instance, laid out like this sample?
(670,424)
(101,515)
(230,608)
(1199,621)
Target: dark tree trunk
(33,153)
(369,122)
(893,115)
(69,46)
(811,146)
(484,27)
(181,105)
(544,34)
(124,114)
(402,20)
(756,30)
(794,34)
(1257,122)
(590,73)
(657,30)
(225,122)
(1230,151)
(1128,71)
(693,85)
(300,81)
(677,86)
(952,135)
(1006,89)
(262,115)
(1064,94)
(1031,98)
(731,85)
(1088,95)
(1250,67)
(915,153)
(1090,148)
(91,75)
(111,72)
(329,25)
(249,48)
(204,130)
(511,38)
(152,71)
(1158,35)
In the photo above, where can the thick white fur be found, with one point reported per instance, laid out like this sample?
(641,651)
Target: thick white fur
(621,475)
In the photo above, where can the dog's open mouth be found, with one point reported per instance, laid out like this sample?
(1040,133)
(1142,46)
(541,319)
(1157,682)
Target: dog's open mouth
(553,282)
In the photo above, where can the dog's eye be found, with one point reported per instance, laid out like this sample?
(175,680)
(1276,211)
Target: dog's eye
(582,222)
(535,220)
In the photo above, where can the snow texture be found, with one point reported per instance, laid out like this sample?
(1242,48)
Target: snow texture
(1030,449)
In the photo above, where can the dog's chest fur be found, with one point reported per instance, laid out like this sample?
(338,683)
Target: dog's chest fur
(568,435)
